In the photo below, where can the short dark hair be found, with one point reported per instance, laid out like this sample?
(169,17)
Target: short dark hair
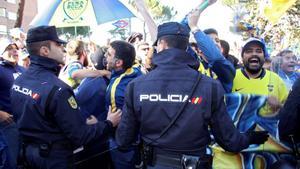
(98,58)
(33,48)
(132,38)
(226,47)
(210,31)
(124,51)
(193,44)
(175,41)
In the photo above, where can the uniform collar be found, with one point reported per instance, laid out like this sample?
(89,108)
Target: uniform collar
(117,73)
(130,72)
(262,74)
(44,62)
(174,57)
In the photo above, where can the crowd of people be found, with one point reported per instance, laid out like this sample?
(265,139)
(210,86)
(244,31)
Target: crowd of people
(132,104)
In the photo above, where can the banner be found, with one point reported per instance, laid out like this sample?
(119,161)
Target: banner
(274,12)
(244,111)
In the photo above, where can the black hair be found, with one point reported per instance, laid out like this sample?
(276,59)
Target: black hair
(132,38)
(98,58)
(193,44)
(210,31)
(175,41)
(124,51)
(226,47)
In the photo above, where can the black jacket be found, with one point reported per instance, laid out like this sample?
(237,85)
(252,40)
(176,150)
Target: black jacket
(289,123)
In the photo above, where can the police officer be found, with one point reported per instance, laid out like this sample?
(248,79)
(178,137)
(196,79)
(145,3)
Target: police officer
(171,118)
(289,126)
(47,114)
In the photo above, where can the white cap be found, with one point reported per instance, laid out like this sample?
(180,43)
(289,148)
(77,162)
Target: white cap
(4,43)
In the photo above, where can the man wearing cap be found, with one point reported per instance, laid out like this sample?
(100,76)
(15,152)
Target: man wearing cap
(9,71)
(172,106)
(47,114)
(254,79)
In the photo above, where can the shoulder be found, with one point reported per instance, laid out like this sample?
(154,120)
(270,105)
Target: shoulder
(238,72)
(272,75)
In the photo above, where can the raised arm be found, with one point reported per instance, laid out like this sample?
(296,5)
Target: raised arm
(141,6)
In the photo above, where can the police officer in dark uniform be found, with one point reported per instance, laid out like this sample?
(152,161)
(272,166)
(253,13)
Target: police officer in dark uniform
(172,107)
(48,117)
(289,127)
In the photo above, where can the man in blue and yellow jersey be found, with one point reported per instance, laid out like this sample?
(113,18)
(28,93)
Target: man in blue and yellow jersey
(120,59)
(254,79)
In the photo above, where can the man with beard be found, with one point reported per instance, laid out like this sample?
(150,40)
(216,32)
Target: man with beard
(120,57)
(254,79)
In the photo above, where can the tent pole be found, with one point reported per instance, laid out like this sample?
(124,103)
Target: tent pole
(129,26)
(75,29)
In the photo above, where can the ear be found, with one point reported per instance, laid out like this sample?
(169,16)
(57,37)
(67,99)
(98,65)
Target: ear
(44,51)
(164,44)
(119,63)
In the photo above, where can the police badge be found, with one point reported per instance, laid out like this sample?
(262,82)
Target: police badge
(72,102)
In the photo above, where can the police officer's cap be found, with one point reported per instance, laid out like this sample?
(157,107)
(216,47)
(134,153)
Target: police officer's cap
(171,28)
(43,33)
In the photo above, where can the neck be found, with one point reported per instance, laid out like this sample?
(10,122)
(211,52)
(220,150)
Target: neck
(251,75)
(287,72)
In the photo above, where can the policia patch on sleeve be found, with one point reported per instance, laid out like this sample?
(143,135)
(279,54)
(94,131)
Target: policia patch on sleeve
(72,102)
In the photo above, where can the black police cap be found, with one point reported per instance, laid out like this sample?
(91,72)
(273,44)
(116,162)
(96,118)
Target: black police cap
(43,33)
(171,28)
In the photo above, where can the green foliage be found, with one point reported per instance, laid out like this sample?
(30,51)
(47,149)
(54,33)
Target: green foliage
(160,12)
(284,34)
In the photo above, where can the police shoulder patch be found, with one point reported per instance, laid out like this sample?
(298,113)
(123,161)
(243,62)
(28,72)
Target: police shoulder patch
(72,102)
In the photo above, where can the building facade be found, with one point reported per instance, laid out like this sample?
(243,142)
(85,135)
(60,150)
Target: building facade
(9,14)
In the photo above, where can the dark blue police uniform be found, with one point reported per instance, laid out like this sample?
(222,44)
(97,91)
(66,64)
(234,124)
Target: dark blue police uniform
(47,114)
(56,123)
(154,101)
